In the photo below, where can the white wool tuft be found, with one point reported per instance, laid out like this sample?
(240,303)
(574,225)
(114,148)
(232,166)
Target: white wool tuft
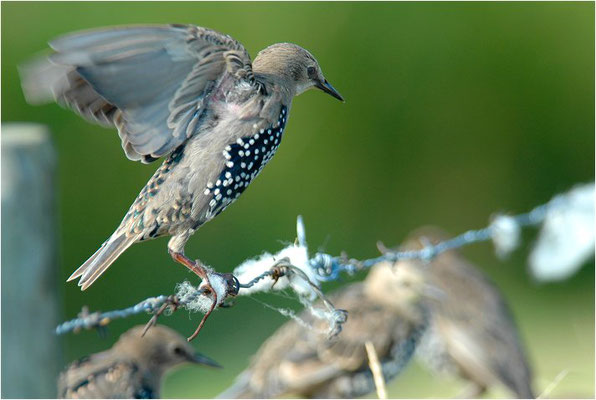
(506,235)
(566,240)
(193,299)
(219,286)
(297,256)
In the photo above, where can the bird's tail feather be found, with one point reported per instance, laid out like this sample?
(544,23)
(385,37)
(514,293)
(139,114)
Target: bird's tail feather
(102,259)
(240,389)
(42,81)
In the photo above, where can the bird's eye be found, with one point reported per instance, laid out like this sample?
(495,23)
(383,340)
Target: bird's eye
(179,351)
(311,71)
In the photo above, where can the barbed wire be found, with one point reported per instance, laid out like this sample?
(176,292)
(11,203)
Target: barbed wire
(329,268)
(304,275)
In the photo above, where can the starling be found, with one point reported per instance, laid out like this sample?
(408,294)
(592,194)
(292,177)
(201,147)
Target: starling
(132,368)
(185,93)
(300,360)
(472,333)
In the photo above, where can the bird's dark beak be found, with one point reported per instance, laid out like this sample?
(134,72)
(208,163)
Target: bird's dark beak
(327,88)
(198,358)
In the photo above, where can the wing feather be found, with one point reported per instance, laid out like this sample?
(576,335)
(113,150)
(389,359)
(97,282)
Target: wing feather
(153,83)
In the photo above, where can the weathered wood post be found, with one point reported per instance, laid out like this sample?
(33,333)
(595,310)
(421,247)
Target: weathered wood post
(31,353)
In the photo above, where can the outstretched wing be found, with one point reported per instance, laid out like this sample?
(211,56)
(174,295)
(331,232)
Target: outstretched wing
(152,82)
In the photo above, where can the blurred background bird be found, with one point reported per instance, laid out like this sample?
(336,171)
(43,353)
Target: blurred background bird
(182,92)
(132,368)
(472,333)
(301,360)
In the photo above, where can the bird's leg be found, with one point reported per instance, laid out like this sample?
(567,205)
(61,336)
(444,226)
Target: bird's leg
(195,267)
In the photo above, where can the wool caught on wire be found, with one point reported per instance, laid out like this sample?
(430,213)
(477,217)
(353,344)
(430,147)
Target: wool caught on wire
(566,241)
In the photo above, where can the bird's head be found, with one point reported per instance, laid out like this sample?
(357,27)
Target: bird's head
(399,286)
(160,349)
(404,285)
(296,68)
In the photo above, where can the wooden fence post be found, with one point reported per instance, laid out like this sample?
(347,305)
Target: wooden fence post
(31,352)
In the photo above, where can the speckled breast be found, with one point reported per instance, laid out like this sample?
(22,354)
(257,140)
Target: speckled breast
(244,160)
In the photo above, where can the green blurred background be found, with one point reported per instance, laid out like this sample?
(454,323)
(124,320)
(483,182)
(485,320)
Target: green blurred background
(454,111)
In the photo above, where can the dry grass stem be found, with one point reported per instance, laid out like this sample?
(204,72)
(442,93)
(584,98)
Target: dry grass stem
(375,368)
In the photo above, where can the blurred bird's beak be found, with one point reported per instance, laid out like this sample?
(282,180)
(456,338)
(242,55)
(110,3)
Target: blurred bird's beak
(327,88)
(198,358)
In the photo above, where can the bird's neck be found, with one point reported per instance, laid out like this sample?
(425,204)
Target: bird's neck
(275,82)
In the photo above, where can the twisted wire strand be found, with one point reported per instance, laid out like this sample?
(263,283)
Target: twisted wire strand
(326,266)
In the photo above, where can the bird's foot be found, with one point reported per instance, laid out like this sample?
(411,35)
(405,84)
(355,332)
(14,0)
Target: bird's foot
(207,288)
(171,301)
(231,283)
(232,288)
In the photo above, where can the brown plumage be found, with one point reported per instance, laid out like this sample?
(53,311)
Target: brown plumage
(303,362)
(472,333)
(185,93)
(132,368)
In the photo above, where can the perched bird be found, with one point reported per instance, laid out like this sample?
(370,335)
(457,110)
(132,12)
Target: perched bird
(472,333)
(132,368)
(302,361)
(185,93)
